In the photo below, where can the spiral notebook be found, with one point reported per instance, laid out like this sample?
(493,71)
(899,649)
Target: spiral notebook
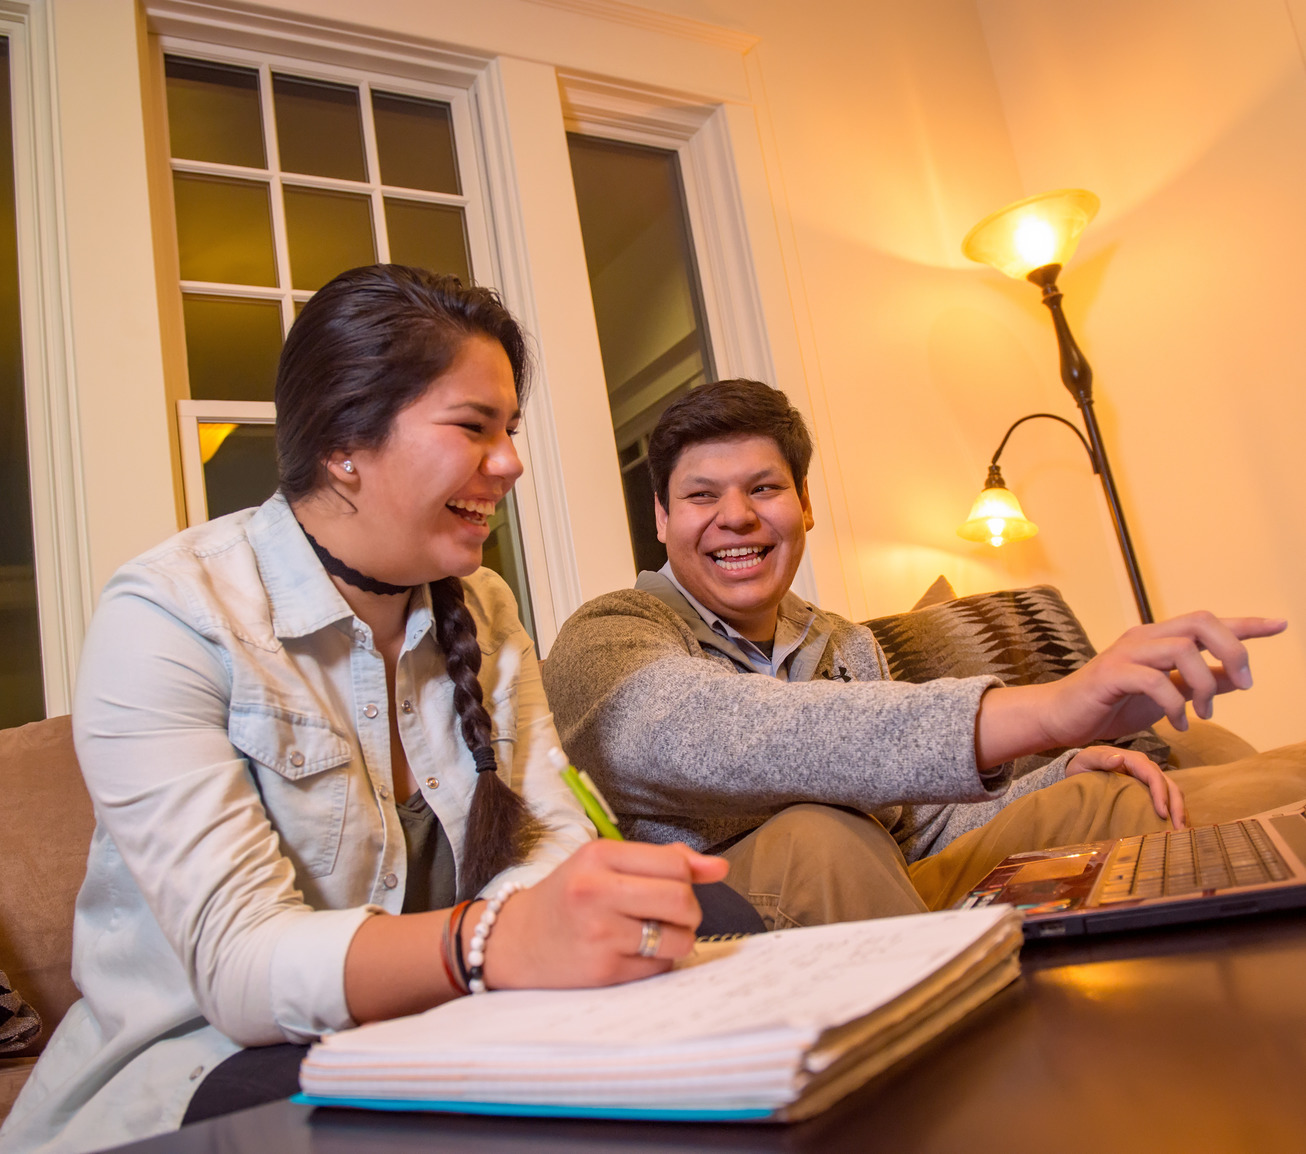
(768,1027)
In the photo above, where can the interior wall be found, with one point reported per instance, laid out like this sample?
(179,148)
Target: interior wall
(887,129)
(895,128)
(1188,118)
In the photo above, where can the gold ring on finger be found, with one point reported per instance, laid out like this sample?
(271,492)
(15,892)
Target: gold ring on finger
(650,937)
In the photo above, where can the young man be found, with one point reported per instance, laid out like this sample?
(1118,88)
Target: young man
(705,703)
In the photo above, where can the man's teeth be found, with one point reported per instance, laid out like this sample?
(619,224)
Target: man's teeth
(744,557)
(476,511)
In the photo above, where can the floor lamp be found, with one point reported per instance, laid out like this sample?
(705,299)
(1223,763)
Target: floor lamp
(1031,240)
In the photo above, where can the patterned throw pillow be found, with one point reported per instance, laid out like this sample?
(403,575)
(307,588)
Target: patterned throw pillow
(19,1023)
(1023,636)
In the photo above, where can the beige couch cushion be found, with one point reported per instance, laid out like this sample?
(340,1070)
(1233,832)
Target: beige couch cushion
(1202,743)
(45,831)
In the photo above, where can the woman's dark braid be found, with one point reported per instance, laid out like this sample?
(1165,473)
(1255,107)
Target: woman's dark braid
(500,828)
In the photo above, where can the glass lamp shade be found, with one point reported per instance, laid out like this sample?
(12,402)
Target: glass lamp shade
(996,517)
(1031,233)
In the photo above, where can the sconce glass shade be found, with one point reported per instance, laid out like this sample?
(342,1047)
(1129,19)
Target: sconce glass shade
(996,517)
(1031,233)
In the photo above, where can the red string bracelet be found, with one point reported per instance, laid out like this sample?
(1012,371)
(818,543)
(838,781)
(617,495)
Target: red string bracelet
(447,956)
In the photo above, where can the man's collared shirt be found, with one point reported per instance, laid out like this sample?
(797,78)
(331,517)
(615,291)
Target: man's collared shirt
(791,629)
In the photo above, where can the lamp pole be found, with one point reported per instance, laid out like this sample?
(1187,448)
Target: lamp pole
(1077,376)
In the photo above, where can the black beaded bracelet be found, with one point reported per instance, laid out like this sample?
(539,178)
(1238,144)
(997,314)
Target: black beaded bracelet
(458,945)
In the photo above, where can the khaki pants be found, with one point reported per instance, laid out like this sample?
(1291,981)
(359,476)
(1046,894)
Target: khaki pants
(814,864)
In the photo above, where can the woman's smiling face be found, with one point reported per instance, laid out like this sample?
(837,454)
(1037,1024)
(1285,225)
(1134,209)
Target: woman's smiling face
(427,492)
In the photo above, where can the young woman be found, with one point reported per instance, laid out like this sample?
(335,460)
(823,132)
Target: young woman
(310,728)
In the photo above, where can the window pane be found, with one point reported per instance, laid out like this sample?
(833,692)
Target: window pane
(213,112)
(232,346)
(430,236)
(240,465)
(224,230)
(327,232)
(647,302)
(503,554)
(319,129)
(414,140)
(22,693)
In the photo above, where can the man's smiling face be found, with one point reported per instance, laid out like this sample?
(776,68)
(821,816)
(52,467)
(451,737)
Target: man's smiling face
(734,527)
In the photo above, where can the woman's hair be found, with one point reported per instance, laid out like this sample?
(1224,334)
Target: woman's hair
(366,346)
(722,410)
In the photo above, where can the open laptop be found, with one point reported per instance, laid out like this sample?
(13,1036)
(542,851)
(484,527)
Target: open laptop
(1190,875)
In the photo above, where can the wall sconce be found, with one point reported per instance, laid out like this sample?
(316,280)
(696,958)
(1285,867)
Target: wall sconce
(1031,240)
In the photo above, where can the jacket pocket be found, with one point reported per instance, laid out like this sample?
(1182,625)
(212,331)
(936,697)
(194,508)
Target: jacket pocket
(301,766)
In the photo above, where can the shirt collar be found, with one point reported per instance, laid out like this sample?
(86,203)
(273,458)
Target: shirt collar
(793,622)
(303,597)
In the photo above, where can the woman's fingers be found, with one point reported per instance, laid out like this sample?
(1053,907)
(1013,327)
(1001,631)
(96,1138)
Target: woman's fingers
(651,938)
(676,861)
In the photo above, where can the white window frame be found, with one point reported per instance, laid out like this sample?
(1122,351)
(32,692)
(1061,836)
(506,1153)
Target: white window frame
(63,581)
(473,200)
(699,135)
(569,554)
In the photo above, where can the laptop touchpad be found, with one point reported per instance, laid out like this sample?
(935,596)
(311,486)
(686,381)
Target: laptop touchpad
(1050,869)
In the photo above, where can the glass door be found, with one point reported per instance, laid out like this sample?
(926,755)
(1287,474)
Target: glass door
(22,692)
(647,303)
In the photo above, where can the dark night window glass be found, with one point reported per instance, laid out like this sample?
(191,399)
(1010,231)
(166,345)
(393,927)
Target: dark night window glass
(22,690)
(224,230)
(430,236)
(319,128)
(647,303)
(214,113)
(232,346)
(327,232)
(414,141)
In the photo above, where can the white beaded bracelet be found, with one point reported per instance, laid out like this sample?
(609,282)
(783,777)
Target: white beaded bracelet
(480,935)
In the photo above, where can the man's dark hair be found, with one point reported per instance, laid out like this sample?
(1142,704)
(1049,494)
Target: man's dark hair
(723,410)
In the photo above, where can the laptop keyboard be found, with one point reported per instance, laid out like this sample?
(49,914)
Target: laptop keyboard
(1188,861)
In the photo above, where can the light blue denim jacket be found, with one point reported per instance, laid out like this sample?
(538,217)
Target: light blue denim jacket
(231,721)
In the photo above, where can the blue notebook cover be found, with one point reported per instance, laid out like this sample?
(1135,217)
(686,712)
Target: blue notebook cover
(540,1110)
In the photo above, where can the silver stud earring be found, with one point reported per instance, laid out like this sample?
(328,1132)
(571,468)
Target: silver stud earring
(348,466)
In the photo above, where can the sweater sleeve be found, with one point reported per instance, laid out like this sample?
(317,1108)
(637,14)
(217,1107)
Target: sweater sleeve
(666,731)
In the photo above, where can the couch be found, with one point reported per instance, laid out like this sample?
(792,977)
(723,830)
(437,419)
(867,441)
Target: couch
(45,831)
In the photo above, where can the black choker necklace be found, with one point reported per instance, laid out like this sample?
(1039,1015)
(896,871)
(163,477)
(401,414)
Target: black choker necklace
(337,568)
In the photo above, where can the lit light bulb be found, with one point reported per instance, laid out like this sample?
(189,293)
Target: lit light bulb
(996,517)
(1036,241)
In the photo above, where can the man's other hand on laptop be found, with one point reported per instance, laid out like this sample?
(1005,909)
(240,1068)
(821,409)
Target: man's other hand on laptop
(1167,798)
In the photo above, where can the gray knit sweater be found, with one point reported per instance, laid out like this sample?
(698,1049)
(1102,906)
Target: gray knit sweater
(689,744)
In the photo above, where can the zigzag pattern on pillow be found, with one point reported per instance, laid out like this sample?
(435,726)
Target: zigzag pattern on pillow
(1022,636)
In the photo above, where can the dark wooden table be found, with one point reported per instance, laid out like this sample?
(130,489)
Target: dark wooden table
(1187,1040)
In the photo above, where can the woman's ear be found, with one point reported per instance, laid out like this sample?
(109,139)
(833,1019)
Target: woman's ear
(341,469)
